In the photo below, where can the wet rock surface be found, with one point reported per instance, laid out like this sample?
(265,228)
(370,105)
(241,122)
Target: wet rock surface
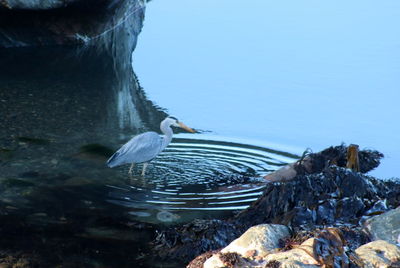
(379,253)
(323,193)
(35,4)
(385,226)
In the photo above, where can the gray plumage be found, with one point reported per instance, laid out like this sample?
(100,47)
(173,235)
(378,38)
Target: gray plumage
(145,147)
(141,148)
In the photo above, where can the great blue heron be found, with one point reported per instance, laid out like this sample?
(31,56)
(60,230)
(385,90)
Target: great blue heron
(146,146)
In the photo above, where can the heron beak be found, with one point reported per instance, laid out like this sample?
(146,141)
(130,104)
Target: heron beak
(185,127)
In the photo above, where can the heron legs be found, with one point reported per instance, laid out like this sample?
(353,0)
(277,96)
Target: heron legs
(143,171)
(145,164)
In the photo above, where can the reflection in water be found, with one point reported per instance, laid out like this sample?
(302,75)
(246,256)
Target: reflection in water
(64,111)
(198,174)
(60,123)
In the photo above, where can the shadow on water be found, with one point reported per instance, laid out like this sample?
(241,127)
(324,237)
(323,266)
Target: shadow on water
(59,203)
(60,115)
(64,111)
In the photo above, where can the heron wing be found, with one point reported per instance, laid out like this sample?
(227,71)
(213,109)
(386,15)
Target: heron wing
(141,148)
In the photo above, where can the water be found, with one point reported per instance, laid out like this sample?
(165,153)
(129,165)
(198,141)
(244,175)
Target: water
(263,81)
(299,74)
(61,121)
(206,176)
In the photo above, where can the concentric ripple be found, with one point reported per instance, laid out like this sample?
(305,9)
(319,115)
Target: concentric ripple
(197,177)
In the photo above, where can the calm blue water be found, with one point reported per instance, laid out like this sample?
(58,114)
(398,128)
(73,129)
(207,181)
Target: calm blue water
(296,74)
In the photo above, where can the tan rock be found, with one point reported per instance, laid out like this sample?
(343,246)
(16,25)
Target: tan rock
(283,174)
(260,240)
(255,243)
(302,256)
(380,254)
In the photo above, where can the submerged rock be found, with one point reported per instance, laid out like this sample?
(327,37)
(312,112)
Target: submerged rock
(166,216)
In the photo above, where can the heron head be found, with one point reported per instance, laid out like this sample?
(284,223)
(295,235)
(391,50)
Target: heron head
(176,123)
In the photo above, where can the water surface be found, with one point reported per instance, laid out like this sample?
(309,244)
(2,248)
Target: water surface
(262,80)
(299,74)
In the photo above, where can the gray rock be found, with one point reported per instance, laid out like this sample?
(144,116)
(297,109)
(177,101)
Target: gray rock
(385,226)
(379,253)
(36,4)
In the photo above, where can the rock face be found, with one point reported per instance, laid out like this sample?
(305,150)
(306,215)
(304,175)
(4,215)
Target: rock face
(385,226)
(35,4)
(68,22)
(379,253)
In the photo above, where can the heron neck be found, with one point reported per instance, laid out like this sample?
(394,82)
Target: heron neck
(167,130)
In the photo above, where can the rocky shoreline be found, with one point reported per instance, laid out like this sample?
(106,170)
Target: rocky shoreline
(326,215)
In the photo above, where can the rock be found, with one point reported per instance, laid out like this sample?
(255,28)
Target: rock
(35,4)
(341,156)
(385,226)
(285,173)
(301,256)
(326,249)
(261,238)
(255,243)
(198,262)
(323,193)
(192,239)
(230,259)
(380,254)
(332,196)
(166,216)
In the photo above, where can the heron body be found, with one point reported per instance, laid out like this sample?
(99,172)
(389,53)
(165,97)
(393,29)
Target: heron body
(146,146)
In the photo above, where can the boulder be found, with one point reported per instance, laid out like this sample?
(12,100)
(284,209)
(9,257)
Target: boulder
(380,254)
(260,239)
(301,256)
(326,249)
(253,245)
(385,226)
